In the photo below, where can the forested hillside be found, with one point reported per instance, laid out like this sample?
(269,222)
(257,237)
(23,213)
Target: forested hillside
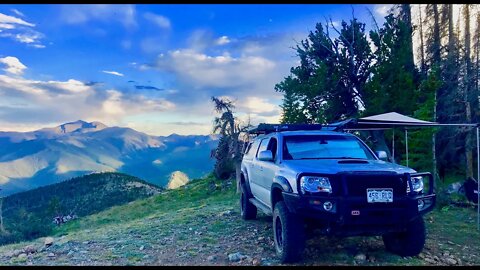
(31,214)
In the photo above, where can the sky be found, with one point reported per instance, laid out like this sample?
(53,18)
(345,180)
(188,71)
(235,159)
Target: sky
(151,67)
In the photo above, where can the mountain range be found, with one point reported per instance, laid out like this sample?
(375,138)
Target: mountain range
(50,155)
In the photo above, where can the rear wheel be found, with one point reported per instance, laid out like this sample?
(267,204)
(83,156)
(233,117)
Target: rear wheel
(247,209)
(409,242)
(288,234)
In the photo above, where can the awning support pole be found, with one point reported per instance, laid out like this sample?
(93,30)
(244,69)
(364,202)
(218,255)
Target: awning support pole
(406,144)
(393,145)
(478,181)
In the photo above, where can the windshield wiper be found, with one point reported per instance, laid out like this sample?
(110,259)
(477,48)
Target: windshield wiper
(332,158)
(347,158)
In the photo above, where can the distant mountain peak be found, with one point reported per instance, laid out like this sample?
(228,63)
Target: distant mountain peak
(80,125)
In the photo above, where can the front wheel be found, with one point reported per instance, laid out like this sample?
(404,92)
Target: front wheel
(409,242)
(288,234)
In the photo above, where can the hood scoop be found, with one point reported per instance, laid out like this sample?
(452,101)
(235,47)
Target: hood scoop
(352,161)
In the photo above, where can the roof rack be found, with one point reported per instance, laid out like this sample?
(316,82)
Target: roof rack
(264,128)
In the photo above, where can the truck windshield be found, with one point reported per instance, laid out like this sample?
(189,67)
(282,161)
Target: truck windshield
(324,147)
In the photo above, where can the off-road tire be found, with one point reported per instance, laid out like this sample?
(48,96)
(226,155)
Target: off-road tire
(409,242)
(288,234)
(247,209)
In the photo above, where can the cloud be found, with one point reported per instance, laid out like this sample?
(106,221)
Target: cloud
(13,65)
(6,26)
(201,39)
(20,31)
(84,13)
(148,87)
(222,40)
(6,19)
(158,20)
(259,106)
(61,101)
(383,10)
(39,46)
(18,13)
(246,69)
(113,73)
(223,71)
(28,37)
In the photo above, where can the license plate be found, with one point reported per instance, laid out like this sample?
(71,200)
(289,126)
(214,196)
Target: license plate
(379,195)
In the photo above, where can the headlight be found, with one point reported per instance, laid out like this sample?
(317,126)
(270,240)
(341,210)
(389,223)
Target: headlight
(417,183)
(315,184)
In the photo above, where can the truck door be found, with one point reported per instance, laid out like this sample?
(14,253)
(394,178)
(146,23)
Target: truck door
(256,171)
(267,171)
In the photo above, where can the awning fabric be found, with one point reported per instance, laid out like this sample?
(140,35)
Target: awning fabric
(388,121)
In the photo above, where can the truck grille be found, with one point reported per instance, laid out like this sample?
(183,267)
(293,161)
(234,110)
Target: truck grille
(357,183)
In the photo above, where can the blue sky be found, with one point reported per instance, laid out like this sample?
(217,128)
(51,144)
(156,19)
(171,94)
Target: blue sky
(150,67)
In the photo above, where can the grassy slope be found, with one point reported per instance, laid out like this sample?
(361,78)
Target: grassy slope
(185,226)
(197,194)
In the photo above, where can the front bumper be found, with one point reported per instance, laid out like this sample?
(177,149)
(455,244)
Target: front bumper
(355,216)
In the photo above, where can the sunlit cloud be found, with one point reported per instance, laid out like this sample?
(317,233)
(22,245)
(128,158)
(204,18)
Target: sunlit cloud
(158,20)
(113,73)
(13,65)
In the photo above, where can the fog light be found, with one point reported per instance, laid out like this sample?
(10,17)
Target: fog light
(421,204)
(327,206)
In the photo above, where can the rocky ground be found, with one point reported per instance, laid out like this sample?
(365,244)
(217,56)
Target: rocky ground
(216,235)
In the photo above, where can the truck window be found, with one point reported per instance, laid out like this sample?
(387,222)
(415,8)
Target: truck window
(272,146)
(324,147)
(252,149)
(263,145)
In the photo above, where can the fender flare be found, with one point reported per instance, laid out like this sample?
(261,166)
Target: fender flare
(282,182)
(246,182)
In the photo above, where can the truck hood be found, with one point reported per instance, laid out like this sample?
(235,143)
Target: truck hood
(333,166)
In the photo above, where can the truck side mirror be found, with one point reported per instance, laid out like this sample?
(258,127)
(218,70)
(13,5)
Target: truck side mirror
(265,155)
(382,155)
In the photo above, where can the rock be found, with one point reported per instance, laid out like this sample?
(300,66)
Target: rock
(142,248)
(371,258)
(429,260)
(211,258)
(70,253)
(22,256)
(360,257)
(421,255)
(261,238)
(86,242)
(51,255)
(48,241)
(256,262)
(16,252)
(450,242)
(450,261)
(30,249)
(235,257)
(248,259)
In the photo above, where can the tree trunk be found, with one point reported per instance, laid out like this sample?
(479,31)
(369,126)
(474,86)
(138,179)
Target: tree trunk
(422,54)
(407,18)
(434,151)
(2,229)
(436,36)
(468,99)
(238,174)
